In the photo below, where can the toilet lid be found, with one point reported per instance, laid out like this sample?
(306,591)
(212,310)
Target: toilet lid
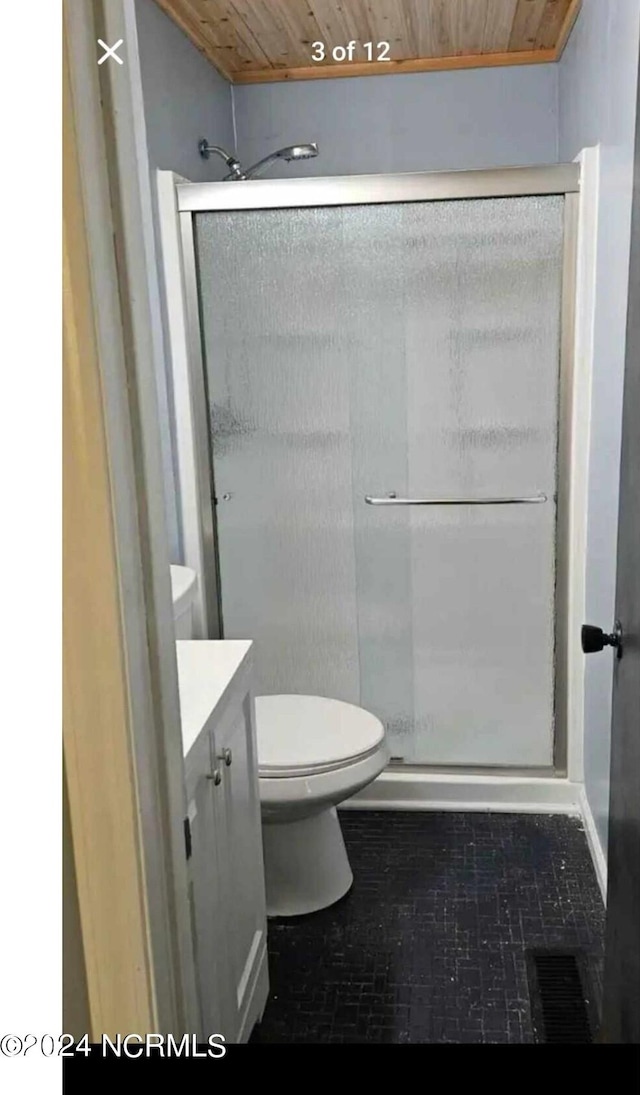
(300,735)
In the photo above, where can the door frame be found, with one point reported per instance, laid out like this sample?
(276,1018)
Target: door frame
(125,778)
(179,201)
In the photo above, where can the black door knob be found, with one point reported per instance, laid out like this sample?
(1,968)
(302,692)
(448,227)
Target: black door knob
(595,639)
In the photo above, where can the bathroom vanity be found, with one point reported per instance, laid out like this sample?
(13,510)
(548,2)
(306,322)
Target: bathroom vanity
(226,875)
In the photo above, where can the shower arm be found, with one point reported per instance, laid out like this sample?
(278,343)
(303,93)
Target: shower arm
(235,168)
(260,166)
(236,171)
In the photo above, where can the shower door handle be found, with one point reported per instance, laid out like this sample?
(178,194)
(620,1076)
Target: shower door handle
(393,500)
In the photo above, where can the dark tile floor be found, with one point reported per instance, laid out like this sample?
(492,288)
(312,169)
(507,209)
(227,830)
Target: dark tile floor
(429,945)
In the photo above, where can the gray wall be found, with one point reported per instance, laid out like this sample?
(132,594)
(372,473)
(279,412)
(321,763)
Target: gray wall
(184,99)
(598,78)
(419,122)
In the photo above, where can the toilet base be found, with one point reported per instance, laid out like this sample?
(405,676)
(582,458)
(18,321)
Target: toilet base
(306,864)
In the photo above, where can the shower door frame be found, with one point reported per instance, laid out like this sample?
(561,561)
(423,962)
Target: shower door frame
(555,179)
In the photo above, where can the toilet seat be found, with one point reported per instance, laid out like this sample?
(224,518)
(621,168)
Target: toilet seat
(308,735)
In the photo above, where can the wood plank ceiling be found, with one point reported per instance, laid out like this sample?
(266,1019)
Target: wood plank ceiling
(254,41)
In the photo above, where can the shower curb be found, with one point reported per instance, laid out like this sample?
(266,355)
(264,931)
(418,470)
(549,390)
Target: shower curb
(397,790)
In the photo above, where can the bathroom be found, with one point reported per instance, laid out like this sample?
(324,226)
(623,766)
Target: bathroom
(380,330)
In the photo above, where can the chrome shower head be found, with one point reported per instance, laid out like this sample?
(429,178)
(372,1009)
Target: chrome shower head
(290,153)
(297,152)
(238,174)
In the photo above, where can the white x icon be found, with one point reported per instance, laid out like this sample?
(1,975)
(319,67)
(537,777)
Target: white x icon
(110,51)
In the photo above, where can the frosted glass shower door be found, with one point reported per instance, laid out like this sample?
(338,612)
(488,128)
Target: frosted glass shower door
(367,350)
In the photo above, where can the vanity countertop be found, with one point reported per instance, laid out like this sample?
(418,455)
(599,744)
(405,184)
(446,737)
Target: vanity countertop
(206,671)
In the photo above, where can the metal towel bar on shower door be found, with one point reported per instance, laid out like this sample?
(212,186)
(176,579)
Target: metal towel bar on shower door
(392,500)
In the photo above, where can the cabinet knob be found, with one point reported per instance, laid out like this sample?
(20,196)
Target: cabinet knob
(216,776)
(227,756)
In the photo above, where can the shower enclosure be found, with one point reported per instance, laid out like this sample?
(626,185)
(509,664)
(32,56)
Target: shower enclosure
(383,414)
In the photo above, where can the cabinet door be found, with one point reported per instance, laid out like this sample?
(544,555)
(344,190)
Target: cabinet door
(217,1006)
(241,833)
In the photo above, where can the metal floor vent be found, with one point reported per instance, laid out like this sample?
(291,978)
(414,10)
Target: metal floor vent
(560,1007)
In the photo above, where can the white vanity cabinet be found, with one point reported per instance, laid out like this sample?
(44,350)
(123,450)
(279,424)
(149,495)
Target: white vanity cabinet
(226,869)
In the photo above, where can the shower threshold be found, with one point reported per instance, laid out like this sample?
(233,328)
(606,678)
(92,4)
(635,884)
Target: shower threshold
(405,787)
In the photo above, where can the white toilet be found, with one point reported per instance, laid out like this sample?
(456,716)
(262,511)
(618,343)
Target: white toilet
(313,753)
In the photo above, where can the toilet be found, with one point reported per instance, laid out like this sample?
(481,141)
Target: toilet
(313,753)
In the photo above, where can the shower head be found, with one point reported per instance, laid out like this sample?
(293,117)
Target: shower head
(297,152)
(290,153)
(237,172)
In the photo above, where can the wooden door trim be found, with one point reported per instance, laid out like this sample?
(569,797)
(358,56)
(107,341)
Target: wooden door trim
(97,730)
(112,214)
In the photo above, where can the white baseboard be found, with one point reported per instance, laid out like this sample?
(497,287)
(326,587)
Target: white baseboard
(595,845)
(397,790)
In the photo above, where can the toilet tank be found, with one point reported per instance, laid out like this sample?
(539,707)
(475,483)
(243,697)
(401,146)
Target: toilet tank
(184,584)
